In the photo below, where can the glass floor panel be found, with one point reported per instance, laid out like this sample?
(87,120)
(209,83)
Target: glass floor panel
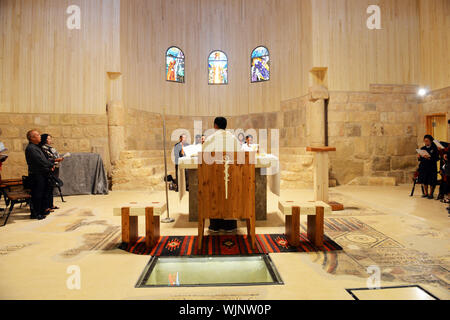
(413,292)
(209,271)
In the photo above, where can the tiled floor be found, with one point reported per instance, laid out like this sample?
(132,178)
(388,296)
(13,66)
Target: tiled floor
(406,238)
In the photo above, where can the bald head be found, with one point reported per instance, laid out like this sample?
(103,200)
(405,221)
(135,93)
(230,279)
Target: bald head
(34,136)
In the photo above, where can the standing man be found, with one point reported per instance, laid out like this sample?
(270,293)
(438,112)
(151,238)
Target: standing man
(39,168)
(221,140)
(179,153)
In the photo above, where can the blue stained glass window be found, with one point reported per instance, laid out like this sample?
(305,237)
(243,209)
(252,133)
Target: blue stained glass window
(260,65)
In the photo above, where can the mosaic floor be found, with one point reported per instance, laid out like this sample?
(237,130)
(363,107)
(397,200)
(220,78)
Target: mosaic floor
(407,245)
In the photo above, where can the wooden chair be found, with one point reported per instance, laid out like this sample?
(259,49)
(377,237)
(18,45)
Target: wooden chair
(130,213)
(14,193)
(232,198)
(7,185)
(315,211)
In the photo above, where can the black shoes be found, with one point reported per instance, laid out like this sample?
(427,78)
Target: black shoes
(213,230)
(38,217)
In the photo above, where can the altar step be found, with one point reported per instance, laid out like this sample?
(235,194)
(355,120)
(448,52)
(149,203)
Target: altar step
(141,170)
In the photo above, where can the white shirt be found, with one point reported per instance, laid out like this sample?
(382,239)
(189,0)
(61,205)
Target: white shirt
(246,147)
(220,141)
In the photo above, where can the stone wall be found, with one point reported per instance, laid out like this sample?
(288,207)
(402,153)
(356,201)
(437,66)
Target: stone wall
(293,127)
(72,133)
(143,130)
(375,134)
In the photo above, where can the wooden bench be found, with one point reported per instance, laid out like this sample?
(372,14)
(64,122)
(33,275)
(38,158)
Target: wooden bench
(7,185)
(315,210)
(130,213)
(13,198)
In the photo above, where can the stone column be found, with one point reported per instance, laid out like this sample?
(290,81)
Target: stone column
(316,121)
(116,129)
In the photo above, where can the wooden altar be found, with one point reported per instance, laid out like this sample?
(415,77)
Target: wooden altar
(263,179)
(226,189)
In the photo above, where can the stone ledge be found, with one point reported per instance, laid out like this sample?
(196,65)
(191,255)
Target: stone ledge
(373,181)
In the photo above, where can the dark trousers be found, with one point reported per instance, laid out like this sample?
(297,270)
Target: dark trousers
(220,224)
(39,194)
(185,175)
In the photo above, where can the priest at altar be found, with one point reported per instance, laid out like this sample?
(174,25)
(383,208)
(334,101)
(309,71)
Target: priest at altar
(266,170)
(220,141)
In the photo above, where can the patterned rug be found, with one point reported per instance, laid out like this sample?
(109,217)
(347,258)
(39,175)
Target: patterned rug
(226,245)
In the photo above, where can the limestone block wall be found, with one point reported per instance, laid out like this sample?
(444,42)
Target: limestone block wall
(375,134)
(71,132)
(294,131)
(143,130)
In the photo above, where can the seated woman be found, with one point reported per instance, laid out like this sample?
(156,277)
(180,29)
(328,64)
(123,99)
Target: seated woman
(53,156)
(428,167)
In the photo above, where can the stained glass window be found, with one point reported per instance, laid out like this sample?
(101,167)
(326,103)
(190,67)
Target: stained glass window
(218,68)
(260,65)
(175,65)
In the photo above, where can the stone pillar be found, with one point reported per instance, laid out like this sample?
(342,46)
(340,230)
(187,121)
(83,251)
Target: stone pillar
(116,129)
(316,121)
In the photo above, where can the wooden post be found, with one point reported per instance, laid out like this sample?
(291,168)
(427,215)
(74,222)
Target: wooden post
(201,229)
(292,227)
(321,176)
(151,228)
(129,227)
(315,227)
(251,231)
